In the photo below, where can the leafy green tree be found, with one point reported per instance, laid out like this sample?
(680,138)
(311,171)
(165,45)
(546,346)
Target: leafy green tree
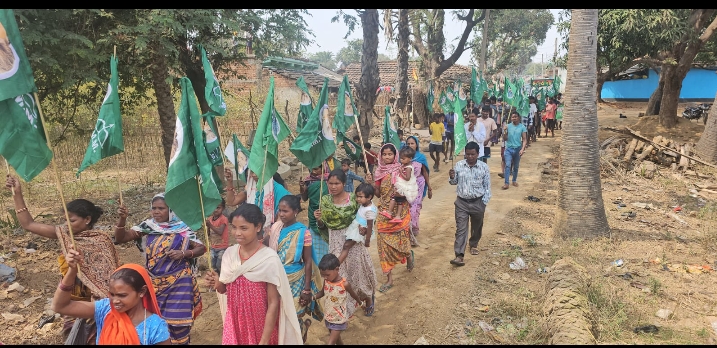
(513,38)
(351,53)
(325,58)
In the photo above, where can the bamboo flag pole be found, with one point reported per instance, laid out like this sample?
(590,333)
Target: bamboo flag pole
(7,166)
(54,167)
(363,151)
(204,223)
(119,177)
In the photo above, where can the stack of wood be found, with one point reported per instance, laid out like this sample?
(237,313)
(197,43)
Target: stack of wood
(633,151)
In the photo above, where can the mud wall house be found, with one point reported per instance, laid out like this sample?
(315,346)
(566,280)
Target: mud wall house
(637,84)
(251,84)
(388,78)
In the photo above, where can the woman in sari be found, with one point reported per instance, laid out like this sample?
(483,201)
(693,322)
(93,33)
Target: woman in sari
(336,212)
(267,198)
(91,283)
(421,171)
(292,242)
(122,318)
(169,247)
(394,241)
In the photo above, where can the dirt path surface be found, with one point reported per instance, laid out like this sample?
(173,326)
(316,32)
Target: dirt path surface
(422,302)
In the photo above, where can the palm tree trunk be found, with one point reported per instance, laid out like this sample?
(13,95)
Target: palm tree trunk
(368,83)
(402,74)
(707,145)
(165,102)
(581,212)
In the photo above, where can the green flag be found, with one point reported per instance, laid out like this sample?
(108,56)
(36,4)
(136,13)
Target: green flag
(15,71)
(239,156)
(460,93)
(511,93)
(476,92)
(459,130)
(106,139)
(483,85)
(523,107)
(540,99)
(430,97)
(22,138)
(211,140)
(556,84)
(389,130)
(305,106)
(315,142)
(264,158)
(345,108)
(212,90)
(352,149)
(445,104)
(189,164)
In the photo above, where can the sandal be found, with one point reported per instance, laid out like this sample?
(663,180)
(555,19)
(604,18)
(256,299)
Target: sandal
(505,187)
(385,287)
(386,214)
(370,309)
(411,262)
(396,220)
(474,251)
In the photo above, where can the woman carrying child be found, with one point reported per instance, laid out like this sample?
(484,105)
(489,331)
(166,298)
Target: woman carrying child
(393,241)
(260,305)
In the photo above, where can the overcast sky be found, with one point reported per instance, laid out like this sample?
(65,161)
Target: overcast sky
(330,36)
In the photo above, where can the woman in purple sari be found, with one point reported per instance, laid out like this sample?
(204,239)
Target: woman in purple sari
(170,249)
(421,171)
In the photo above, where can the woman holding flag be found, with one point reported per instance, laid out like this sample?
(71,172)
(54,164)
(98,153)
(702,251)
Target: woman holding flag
(170,248)
(92,282)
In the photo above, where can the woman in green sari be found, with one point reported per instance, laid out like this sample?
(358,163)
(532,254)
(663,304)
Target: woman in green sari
(337,211)
(292,241)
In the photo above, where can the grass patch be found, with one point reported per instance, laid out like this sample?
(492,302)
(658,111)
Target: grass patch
(610,313)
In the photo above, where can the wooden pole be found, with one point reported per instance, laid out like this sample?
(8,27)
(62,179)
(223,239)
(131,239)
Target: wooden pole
(119,176)
(54,168)
(204,223)
(484,43)
(7,166)
(363,151)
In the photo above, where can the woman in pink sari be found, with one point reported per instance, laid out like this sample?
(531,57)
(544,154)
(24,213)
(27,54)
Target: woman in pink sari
(421,171)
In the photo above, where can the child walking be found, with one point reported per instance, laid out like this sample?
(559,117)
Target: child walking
(437,131)
(336,290)
(361,229)
(218,226)
(260,305)
(406,187)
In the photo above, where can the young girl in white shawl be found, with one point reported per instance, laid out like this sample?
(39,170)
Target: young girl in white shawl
(260,306)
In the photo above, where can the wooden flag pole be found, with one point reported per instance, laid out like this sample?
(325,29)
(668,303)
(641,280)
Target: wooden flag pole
(363,151)
(204,223)
(119,177)
(54,167)
(7,166)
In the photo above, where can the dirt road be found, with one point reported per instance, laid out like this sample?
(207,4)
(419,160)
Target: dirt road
(421,303)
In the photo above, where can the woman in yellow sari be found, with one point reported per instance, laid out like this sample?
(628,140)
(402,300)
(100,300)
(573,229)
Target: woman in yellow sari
(393,238)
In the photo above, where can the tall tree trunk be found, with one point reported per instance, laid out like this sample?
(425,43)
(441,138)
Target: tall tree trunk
(368,83)
(653,104)
(403,47)
(601,78)
(707,145)
(581,212)
(672,84)
(165,102)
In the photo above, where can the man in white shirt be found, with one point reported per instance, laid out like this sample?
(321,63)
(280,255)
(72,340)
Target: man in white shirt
(475,131)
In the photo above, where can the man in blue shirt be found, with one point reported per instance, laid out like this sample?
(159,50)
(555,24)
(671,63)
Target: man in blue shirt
(473,190)
(448,122)
(515,139)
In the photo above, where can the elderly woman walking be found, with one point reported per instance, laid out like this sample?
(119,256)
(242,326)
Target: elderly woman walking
(169,247)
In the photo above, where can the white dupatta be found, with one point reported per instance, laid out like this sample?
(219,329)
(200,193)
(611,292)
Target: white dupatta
(267,205)
(265,266)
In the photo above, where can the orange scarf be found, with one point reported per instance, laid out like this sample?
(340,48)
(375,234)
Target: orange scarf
(118,328)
